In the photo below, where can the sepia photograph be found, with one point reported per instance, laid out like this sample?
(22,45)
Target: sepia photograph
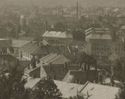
(62,49)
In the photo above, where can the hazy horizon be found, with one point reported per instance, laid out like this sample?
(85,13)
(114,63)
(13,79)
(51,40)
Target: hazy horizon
(84,3)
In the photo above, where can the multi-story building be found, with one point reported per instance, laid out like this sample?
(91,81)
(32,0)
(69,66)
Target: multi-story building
(101,45)
(99,42)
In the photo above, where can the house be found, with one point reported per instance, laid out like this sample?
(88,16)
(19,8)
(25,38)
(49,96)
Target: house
(53,65)
(88,90)
(80,76)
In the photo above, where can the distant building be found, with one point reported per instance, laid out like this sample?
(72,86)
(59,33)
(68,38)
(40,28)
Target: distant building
(17,44)
(5,44)
(99,43)
(58,38)
(31,49)
(52,65)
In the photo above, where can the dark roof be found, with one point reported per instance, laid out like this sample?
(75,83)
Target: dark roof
(80,76)
(34,48)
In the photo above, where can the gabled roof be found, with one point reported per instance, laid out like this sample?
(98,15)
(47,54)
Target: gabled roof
(32,82)
(54,58)
(88,90)
(97,91)
(97,30)
(68,89)
(34,48)
(98,33)
(55,34)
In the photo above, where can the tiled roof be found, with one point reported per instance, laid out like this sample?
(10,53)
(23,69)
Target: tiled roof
(97,30)
(54,59)
(48,57)
(60,60)
(98,33)
(34,48)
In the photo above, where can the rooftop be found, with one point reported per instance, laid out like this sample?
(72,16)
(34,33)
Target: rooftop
(88,90)
(99,36)
(97,91)
(19,43)
(33,48)
(68,89)
(55,34)
(54,58)
(98,33)
(97,30)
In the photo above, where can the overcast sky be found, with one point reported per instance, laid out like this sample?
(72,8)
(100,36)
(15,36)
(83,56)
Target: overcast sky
(69,2)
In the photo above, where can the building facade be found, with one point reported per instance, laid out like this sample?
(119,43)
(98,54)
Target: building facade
(101,45)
